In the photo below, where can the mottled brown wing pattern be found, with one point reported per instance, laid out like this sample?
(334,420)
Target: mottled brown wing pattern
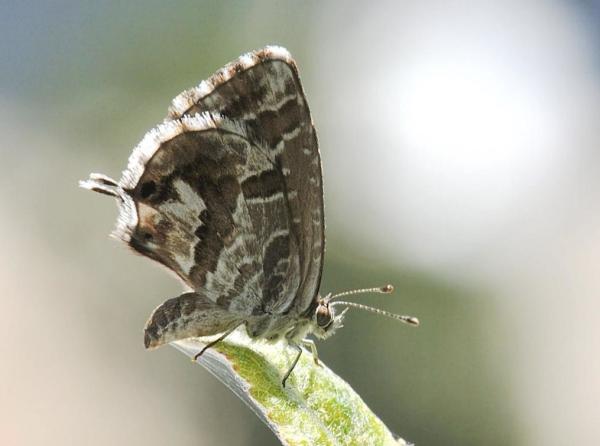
(228,194)
(209,205)
(263,90)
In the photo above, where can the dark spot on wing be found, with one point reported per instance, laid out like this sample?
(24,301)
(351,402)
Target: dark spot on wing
(278,249)
(263,185)
(147,189)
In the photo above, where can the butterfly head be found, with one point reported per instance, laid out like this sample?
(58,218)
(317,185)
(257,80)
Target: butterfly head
(326,322)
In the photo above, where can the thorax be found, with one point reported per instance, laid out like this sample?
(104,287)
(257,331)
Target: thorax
(275,327)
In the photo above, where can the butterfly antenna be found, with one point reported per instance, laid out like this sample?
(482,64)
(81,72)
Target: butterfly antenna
(411,320)
(387,289)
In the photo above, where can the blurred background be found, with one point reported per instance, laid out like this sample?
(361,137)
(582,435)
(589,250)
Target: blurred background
(460,144)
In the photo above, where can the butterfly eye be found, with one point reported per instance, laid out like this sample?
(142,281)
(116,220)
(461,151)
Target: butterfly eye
(323,316)
(143,235)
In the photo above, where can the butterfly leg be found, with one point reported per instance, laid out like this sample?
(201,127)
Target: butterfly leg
(293,366)
(309,343)
(213,343)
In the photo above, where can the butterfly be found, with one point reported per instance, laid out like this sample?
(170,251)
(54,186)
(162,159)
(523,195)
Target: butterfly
(227,193)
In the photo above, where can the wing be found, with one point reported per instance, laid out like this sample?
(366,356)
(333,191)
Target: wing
(200,197)
(262,89)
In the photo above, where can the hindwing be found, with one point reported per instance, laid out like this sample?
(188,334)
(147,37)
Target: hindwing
(203,199)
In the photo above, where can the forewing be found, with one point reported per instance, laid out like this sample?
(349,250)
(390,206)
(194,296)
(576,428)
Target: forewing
(262,89)
(204,200)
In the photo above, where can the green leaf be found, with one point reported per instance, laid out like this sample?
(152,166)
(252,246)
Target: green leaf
(315,408)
